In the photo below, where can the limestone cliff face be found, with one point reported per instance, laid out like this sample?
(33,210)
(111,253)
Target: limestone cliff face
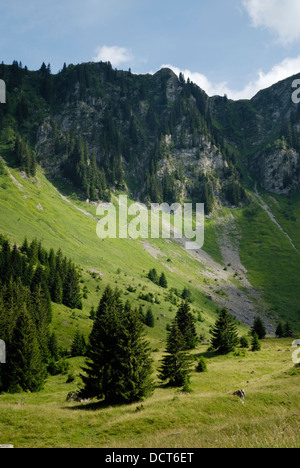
(149,132)
(277,170)
(266,131)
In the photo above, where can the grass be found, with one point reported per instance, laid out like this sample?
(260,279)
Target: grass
(34,208)
(272,263)
(209,416)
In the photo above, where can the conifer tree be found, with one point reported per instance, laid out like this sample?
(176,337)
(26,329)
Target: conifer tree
(279,331)
(53,347)
(163,281)
(71,288)
(149,319)
(78,347)
(255,343)
(25,369)
(176,365)
(118,360)
(258,328)
(186,324)
(134,381)
(224,333)
(153,276)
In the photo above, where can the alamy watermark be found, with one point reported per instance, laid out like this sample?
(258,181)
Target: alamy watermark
(159,222)
(296,93)
(296,354)
(2,92)
(2,352)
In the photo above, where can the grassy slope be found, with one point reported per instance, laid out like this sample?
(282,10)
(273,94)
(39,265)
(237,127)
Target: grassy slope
(209,416)
(36,209)
(272,263)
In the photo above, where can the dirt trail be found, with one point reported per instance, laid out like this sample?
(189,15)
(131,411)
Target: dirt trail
(20,186)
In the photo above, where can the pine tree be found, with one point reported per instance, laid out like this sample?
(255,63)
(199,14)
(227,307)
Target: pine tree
(176,365)
(78,347)
(71,288)
(279,331)
(258,328)
(255,343)
(224,333)
(25,369)
(186,324)
(163,281)
(118,360)
(135,364)
(288,332)
(153,276)
(149,319)
(53,347)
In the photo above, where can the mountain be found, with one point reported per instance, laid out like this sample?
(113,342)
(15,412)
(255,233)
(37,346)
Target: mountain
(88,134)
(96,131)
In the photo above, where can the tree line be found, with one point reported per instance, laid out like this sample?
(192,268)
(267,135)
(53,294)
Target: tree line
(31,278)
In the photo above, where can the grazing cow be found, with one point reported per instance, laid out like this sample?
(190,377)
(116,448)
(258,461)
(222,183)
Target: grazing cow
(240,393)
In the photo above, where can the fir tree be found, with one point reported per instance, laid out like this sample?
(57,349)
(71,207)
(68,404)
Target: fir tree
(224,333)
(53,347)
(25,367)
(186,324)
(71,288)
(288,332)
(153,276)
(134,381)
(255,343)
(78,347)
(163,281)
(279,331)
(118,360)
(258,328)
(149,319)
(176,365)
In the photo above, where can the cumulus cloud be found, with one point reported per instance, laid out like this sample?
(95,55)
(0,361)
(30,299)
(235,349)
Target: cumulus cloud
(281,17)
(285,69)
(114,54)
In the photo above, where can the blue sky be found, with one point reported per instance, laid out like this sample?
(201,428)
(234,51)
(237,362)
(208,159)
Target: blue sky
(226,46)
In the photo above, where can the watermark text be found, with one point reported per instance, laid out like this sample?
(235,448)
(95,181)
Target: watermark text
(159,222)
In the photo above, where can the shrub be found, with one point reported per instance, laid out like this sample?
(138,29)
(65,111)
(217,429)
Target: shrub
(202,366)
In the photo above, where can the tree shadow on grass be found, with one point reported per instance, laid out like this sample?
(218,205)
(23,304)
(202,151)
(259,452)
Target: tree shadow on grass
(92,405)
(209,354)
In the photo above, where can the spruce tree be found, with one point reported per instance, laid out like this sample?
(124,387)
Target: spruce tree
(186,324)
(255,343)
(163,281)
(71,288)
(78,347)
(149,319)
(25,369)
(118,360)
(176,365)
(279,331)
(258,328)
(134,381)
(224,333)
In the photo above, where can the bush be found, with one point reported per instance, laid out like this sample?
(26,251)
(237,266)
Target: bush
(244,342)
(58,367)
(202,366)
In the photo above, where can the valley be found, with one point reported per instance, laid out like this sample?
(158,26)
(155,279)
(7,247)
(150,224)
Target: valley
(158,139)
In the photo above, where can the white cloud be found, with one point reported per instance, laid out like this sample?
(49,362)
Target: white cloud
(281,71)
(281,17)
(114,54)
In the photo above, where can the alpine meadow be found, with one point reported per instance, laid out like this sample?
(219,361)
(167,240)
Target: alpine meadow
(130,340)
